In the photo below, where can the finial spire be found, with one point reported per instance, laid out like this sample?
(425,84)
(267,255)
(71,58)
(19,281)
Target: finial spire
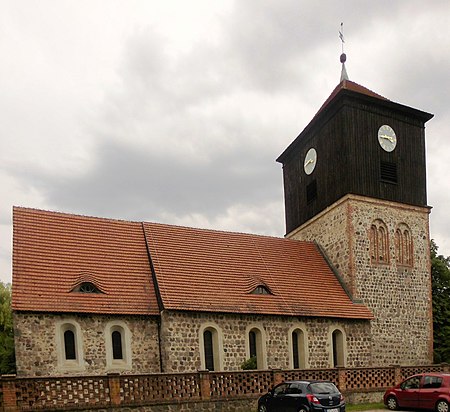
(343,58)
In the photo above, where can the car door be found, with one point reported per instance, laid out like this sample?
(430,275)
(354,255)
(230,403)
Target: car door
(408,395)
(293,398)
(429,391)
(280,401)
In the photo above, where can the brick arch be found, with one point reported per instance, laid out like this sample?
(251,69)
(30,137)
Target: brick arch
(404,247)
(379,242)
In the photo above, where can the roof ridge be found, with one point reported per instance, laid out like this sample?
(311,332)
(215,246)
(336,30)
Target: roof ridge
(144,222)
(224,231)
(57,212)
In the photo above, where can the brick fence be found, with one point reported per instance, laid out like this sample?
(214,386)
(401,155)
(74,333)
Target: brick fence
(179,391)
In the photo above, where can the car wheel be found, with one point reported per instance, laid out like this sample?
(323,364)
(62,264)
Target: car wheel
(442,406)
(391,403)
(302,409)
(262,408)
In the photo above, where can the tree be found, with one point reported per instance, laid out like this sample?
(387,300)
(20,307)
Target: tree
(440,284)
(7,355)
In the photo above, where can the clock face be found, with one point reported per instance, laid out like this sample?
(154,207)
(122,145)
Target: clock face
(387,138)
(310,161)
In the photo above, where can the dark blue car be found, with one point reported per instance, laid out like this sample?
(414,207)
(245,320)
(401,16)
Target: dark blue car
(302,396)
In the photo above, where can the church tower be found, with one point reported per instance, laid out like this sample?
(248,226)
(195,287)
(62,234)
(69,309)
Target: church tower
(355,182)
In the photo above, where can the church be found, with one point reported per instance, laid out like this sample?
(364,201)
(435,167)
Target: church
(349,285)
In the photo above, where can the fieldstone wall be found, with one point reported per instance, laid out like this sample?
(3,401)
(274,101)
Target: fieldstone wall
(180,340)
(36,344)
(398,295)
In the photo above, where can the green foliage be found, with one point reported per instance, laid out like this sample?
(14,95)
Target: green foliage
(364,407)
(440,284)
(7,356)
(249,364)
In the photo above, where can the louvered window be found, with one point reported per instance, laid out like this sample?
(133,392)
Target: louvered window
(388,172)
(311,192)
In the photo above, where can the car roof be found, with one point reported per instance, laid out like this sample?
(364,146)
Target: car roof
(439,374)
(308,381)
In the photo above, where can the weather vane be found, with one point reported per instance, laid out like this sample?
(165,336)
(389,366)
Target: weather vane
(343,58)
(341,36)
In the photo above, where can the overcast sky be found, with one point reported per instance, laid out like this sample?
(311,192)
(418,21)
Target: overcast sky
(174,111)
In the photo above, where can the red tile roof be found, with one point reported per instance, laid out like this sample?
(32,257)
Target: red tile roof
(54,252)
(196,269)
(352,86)
(207,270)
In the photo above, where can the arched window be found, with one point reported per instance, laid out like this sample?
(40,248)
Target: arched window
(209,350)
(69,345)
(379,242)
(116,338)
(256,346)
(118,345)
(403,245)
(210,337)
(338,348)
(252,343)
(298,347)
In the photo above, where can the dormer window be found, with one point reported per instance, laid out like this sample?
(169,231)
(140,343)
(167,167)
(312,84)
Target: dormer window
(86,287)
(261,290)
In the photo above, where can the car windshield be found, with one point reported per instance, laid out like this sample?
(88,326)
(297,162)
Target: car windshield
(323,388)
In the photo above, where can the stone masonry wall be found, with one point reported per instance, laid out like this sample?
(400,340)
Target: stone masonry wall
(180,340)
(398,295)
(37,346)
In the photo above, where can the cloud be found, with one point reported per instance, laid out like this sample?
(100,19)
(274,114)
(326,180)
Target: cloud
(169,113)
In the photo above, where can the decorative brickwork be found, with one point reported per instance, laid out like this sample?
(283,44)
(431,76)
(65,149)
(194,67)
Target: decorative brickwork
(399,295)
(200,391)
(39,351)
(163,388)
(319,374)
(369,378)
(235,384)
(181,350)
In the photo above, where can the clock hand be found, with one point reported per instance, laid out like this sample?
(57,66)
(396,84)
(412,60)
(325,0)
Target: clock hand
(309,161)
(385,136)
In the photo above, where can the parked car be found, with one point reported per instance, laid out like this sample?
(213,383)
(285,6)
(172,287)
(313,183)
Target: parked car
(302,396)
(423,391)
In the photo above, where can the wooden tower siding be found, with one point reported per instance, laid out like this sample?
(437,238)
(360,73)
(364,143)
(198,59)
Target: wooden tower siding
(344,134)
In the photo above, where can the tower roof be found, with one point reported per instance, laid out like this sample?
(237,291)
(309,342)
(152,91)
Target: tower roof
(346,88)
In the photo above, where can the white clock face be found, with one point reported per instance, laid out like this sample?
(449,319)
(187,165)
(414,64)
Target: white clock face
(310,161)
(387,138)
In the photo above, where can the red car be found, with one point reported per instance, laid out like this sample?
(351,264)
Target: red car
(425,390)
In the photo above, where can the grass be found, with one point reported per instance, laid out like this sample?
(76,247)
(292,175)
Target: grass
(363,406)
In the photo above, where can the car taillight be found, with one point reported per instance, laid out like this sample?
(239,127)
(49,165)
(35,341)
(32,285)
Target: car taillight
(342,398)
(312,399)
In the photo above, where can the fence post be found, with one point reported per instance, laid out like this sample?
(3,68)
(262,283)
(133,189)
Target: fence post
(114,388)
(277,376)
(205,385)
(342,379)
(397,374)
(9,393)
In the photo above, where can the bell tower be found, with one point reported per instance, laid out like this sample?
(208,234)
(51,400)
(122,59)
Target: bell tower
(355,182)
